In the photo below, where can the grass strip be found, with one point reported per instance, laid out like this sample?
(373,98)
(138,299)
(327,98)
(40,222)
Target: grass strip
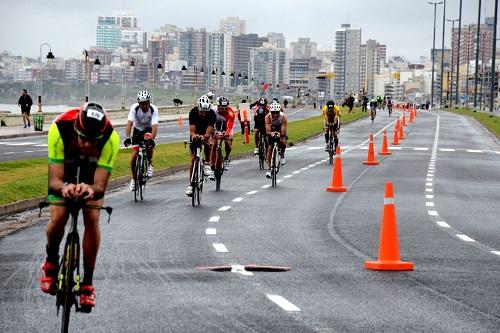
(488,120)
(27,179)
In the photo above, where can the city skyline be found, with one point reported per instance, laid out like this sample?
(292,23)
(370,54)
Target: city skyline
(404,35)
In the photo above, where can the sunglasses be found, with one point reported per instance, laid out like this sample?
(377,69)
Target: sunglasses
(85,137)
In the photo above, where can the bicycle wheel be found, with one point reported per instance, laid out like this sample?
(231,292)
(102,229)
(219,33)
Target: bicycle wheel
(273,166)
(137,177)
(219,167)
(66,296)
(262,154)
(201,178)
(194,183)
(144,177)
(331,149)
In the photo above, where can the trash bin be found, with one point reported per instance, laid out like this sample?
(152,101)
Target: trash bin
(38,121)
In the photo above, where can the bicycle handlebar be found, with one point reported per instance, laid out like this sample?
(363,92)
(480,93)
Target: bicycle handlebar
(75,204)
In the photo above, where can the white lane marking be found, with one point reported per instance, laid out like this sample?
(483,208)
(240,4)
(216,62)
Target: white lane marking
(20,143)
(296,172)
(237,199)
(291,148)
(279,180)
(214,219)
(428,184)
(265,186)
(304,168)
(42,145)
(42,150)
(432,213)
(240,269)
(224,208)
(211,231)
(429,196)
(314,148)
(283,303)
(497,152)
(10,152)
(429,204)
(395,148)
(310,165)
(219,247)
(252,192)
(288,176)
(446,149)
(465,238)
(443,224)
(364,147)
(431,167)
(474,151)
(28,151)
(428,190)
(428,179)
(496,252)
(420,148)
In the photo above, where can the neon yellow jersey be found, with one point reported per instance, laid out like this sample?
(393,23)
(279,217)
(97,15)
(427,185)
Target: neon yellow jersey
(106,159)
(330,115)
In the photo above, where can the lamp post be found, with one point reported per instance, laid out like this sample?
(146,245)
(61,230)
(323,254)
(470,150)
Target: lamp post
(49,57)
(458,52)
(468,63)
(493,76)
(131,66)
(442,57)
(477,53)
(450,84)
(159,68)
(195,71)
(97,63)
(433,51)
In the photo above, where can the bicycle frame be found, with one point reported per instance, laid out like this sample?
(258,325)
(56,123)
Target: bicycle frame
(275,161)
(141,167)
(262,151)
(219,163)
(197,177)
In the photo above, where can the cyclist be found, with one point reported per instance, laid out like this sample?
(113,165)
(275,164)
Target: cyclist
(373,108)
(85,138)
(201,125)
(222,109)
(261,110)
(210,95)
(276,126)
(331,117)
(143,116)
(389,104)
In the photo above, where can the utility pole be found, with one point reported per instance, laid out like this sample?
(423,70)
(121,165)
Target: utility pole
(458,52)
(442,58)
(493,76)
(477,53)
(433,51)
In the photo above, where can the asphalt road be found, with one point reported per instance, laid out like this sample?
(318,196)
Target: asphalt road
(148,277)
(36,146)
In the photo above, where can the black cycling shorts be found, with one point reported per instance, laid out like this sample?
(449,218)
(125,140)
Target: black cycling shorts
(138,136)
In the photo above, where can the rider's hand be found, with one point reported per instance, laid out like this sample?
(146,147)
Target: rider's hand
(127,142)
(68,191)
(276,134)
(84,191)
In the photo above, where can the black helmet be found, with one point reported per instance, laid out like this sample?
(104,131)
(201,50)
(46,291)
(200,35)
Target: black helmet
(223,101)
(262,101)
(330,104)
(91,121)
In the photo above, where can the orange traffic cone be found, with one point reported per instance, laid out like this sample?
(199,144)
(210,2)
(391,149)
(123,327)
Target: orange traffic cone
(388,251)
(404,120)
(247,134)
(179,121)
(337,185)
(395,138)
(371,153)
(401,131)
(385,149)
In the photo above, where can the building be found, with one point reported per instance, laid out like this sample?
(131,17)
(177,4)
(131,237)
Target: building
(267,64)
(303,49)
(232,25)
(468,43)
(347,61)
(372,59)
(277,39)
(241,46)
(119,30)
(303,76)
(193,47)
(108,33)
(215,59)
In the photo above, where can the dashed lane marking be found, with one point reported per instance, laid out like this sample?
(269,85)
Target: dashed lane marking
(214,219)
(211,231)
(432,213)
(252,192)
(265,186)
(237,199)
(474,151)
(219,247)
(465,238)
(443,224)
(283,303)
(224,208)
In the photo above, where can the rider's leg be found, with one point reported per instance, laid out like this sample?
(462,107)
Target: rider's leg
(149,152)
(91,240)
(256,137)
(213,151)
(269,153)
(282,147)
(335,138)
(227,144)
(55,231)
(132,163)
(207,149)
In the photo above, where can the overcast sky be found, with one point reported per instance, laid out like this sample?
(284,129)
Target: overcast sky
(405,26)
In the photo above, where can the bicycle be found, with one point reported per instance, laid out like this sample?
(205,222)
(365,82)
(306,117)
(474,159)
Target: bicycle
(373,113)
(389,108)
(262,151)
(219,159)
(68,285)
(141,167)
(331,143)
(275,159)
(197,176)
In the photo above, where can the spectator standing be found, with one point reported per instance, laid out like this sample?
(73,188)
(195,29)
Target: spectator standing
(25,102)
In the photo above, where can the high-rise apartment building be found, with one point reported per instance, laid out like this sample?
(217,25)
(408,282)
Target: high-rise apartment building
(372,58)
(193,47)
(119,30)
(232,25)
(108,33)
(347,61)
(468,42)
(267,64)
(277,39)
(303,49)
(215,59)
(241,46)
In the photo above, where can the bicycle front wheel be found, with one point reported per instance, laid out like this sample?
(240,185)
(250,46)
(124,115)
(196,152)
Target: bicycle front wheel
(194,183)
(144,177)
(66,296)
(274,169)
(137,177)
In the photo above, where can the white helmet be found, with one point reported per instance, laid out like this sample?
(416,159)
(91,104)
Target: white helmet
(143,96)
(210,95)
(204,103)
(275,106)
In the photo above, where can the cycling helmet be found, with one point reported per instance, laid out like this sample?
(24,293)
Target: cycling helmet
(204,103)
(143,96)
(275,99)
(275,106)
(262,101)
(222,101)
(91,121)
(330,104)
(210,95)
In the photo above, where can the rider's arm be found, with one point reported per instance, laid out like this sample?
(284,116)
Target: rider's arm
(128,129)
(105,165)
(130,120)
(154,121)
(154,130)
(208,133)
(267,120)
(192,131)
(283,127)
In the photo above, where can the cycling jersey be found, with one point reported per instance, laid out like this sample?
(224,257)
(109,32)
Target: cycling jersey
(276,123)
(229,115)
(330,115)
(141,119)
(63,148)
(201,123)
(259,117)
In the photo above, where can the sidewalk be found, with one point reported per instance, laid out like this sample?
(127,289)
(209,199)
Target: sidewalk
(9,132)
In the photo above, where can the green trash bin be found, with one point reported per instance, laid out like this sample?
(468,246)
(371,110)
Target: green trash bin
(38,121)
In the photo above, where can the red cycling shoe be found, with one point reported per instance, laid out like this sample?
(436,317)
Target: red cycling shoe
(49,277)
(87,298)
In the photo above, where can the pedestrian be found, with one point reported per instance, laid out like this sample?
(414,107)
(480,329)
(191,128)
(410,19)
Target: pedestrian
(285,102)
(365,104)
(25,102)
(350,102)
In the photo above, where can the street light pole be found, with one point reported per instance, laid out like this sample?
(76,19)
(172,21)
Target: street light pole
(433,51)
(442,57)
(458,52)
(49,57)
(468,65)
(477,53)
(450,84)
(493,76)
